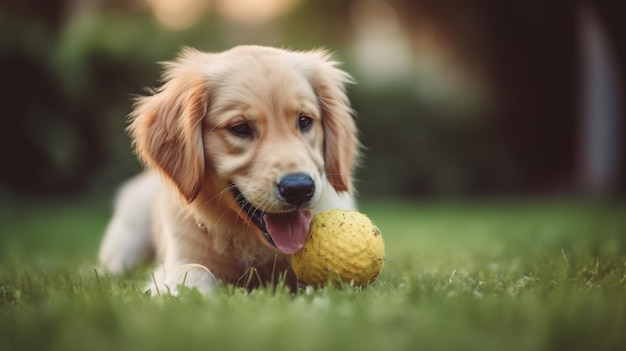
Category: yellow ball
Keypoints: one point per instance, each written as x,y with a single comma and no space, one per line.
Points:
342,246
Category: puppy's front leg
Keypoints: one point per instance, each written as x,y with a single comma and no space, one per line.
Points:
181,246
191,275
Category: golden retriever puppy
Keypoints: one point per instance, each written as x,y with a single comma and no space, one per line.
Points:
242,148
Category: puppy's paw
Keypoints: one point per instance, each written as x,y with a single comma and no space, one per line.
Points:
192,275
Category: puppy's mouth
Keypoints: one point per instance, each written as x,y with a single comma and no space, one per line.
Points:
286,231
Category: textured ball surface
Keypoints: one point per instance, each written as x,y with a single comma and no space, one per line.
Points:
342,246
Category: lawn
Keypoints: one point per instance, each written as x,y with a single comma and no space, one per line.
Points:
538,274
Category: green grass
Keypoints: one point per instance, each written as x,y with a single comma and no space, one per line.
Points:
460,275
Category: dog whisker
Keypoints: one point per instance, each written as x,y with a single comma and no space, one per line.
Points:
228,188
218,195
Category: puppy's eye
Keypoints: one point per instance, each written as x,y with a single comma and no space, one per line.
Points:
243,130
305,123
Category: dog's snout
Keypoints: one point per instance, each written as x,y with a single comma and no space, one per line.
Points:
296,188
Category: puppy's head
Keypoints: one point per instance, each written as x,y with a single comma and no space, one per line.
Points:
255,132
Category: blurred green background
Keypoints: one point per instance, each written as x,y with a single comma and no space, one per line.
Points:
496,122
454,98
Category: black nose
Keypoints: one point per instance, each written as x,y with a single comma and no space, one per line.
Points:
296,188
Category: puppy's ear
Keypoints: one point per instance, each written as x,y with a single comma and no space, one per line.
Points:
166,127
341,145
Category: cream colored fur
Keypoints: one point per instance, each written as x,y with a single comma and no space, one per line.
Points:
183,208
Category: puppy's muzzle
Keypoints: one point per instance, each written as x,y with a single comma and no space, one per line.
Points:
285,230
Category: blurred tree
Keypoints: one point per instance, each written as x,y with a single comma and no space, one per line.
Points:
535,70
54,129
31,93
530,51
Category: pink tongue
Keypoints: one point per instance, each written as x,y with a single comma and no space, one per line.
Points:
288,230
